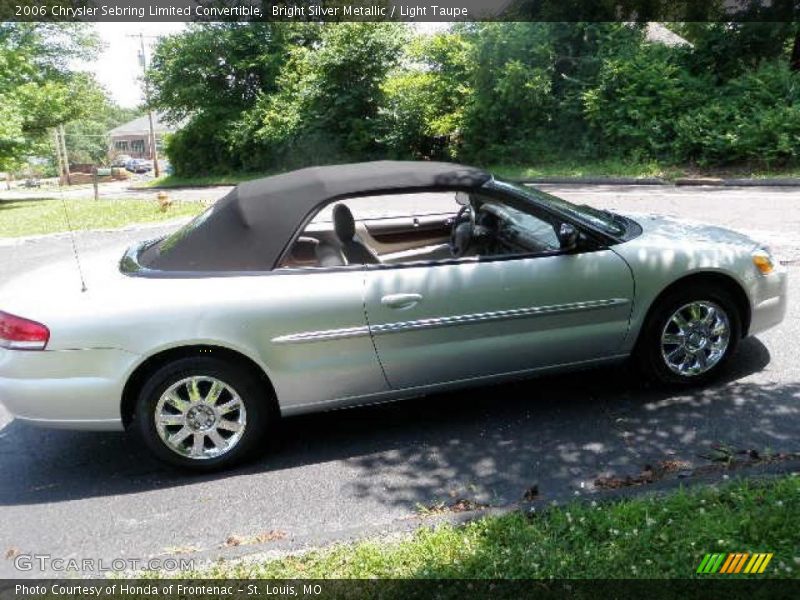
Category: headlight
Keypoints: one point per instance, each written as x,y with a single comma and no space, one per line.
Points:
763,261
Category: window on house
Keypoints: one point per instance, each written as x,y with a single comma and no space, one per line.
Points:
137,146
121,146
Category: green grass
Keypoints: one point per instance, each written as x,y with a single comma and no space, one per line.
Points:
562,168
174,181
646,537
33,217
622,168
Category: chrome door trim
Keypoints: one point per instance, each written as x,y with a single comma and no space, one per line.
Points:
323,335
469,319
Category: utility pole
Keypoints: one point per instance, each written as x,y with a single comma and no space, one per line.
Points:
143,63
66,156
57,146
61,154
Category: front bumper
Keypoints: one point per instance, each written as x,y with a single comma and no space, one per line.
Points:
769,296
73,389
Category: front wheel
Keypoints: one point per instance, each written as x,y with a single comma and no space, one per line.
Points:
690,335
203,413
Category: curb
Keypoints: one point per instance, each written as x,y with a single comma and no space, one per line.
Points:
681,181
399,528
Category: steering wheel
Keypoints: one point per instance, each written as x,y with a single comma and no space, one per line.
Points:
462,231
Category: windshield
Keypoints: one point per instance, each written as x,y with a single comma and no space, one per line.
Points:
600,219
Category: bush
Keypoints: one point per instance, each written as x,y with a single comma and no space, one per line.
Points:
755,117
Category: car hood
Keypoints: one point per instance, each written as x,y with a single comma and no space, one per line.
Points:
673,229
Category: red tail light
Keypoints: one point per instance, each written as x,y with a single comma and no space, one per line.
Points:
17,333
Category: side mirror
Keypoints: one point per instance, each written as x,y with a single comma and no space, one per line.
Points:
567,236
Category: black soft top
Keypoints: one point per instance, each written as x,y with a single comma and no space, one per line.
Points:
250,228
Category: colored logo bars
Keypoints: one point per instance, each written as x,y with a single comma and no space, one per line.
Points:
734,562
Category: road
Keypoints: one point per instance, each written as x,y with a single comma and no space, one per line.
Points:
98,495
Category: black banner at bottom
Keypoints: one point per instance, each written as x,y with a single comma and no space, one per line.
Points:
405,589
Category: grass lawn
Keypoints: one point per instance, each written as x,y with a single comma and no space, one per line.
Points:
620,168
646,537
32,217
564,168
174,181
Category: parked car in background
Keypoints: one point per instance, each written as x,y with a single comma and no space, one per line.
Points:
121,160
354,284
139,165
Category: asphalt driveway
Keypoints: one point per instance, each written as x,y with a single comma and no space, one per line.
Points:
98,495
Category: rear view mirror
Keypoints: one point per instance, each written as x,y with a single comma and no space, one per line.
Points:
567,236
462,198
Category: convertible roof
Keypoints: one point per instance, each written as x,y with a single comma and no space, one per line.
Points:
250,227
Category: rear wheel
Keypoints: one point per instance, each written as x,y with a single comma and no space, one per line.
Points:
690,335
204,413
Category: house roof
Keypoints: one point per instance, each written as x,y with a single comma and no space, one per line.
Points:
250,228
141,126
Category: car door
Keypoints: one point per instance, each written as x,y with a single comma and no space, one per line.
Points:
458,320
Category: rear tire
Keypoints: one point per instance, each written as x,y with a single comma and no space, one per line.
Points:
204,414
689,336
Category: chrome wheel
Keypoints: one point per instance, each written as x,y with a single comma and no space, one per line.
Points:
200,417
695,338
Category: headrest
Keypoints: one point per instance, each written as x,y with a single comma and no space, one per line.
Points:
343,223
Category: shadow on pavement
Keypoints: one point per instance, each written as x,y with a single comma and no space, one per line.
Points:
489,444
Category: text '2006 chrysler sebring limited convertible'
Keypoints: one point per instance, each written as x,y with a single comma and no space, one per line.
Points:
344,285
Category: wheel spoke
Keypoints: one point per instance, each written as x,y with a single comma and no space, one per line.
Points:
198,444
193,388
702,360
214,392
179,436
695,312
216,439
675,353
178,402
711,315
673,338
168,419
229,425
229,406
680,321
719,329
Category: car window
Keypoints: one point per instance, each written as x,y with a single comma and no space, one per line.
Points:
395,229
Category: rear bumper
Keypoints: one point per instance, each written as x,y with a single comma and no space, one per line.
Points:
770,299
74,389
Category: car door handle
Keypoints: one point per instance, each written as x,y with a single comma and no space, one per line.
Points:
401,301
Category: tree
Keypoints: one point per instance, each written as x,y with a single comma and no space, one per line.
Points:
330,95
38,88
208,76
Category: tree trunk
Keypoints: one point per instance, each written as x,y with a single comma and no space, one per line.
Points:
794,61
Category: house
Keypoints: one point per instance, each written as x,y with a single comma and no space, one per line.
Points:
133,138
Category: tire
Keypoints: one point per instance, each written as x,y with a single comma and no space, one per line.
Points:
231,428
671,354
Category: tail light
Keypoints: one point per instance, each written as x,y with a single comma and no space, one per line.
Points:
17,333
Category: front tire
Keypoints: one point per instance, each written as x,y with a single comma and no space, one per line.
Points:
203,413
690,335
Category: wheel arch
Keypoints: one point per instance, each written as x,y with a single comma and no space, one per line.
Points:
146,368
720,279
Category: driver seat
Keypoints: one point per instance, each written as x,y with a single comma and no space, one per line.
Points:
355,251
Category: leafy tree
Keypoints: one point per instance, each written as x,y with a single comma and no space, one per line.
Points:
330,95
425,99
38,88
208,76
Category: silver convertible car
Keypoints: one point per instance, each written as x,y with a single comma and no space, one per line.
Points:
337,286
